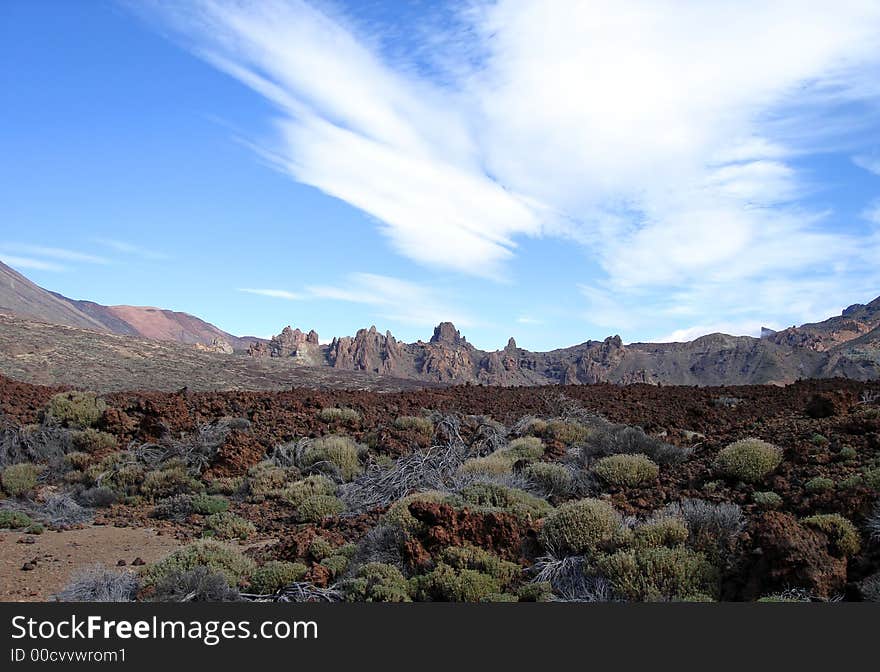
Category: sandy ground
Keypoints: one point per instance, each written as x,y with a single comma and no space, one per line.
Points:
58,554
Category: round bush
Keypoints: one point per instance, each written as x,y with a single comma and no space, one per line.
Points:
377,582
767,500
338,451
276,574
205,553
749,460
819,484
626,470
76,409
580,527
17,479
226,525
313,509
841,532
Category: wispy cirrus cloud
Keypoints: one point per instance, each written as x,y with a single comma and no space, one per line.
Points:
30,263
870,162
662,137
394,299
127,248
274,293
62,254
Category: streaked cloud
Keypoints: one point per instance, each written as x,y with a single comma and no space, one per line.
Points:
394,299
870,162
56,253
274,293
664,138
130,249
30,263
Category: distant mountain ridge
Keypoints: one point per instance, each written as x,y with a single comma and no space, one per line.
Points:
20,296
846,345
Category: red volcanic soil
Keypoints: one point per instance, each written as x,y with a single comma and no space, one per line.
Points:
811,421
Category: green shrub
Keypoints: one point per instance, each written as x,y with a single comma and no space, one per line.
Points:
76,409
819,484
749,460
338,451
819,440
662,531
535,427
415,424
510,500
35,528
851,482
117,472
176,507
447,584
93,441
169,481
580,527
226,525
399,516
346,416
659,573
337,564
320,548
205,553
226,485
268,480
553,478
275,575
767,500
565,432
209,504
376,582
847,454
872,478
480,560
14,520
18,479
78,460
624,470
298,492
524,448
496,464
317,507
541,591
841,532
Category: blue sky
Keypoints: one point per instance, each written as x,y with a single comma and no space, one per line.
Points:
553,171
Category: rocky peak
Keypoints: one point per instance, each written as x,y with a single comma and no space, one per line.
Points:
286,344
445,333
511,344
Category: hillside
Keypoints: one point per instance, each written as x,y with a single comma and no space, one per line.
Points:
20,296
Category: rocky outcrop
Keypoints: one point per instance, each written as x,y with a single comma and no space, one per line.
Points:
217,345
845,346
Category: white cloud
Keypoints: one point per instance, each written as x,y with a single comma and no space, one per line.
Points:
525,319
394,299
30,263
871,163
129,248
660,136
57,253
274,293
732,328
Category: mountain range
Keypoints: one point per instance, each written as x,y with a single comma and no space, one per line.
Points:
20,296
847,345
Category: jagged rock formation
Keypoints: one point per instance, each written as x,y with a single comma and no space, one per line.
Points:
303,348
847,345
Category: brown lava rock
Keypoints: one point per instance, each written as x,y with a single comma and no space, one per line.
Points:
785,554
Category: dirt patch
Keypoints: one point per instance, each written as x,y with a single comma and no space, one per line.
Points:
58,554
